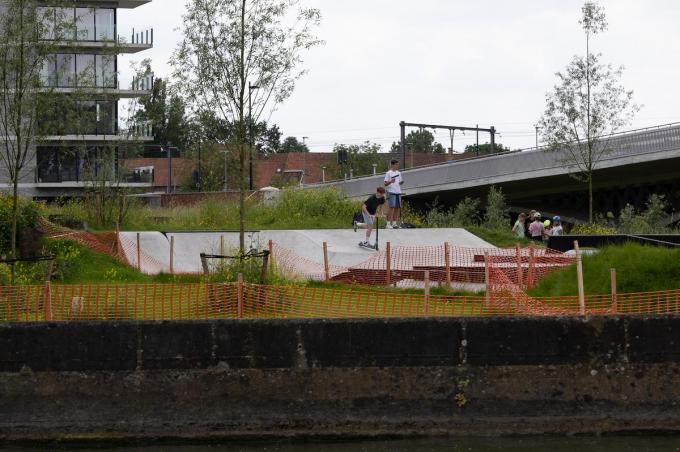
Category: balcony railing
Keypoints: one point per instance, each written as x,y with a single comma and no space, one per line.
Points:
142,37
143,82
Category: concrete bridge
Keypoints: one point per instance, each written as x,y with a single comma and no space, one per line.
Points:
637,164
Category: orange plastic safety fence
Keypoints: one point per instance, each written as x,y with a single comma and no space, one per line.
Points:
249,301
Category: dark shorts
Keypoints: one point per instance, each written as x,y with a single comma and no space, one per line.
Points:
394,200
538,238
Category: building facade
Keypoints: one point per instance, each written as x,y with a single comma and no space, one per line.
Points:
83,78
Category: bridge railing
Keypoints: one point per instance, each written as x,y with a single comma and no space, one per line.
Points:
514,164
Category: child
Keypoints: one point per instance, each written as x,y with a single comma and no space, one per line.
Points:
369,209
518,228
393,183
536,228
557,226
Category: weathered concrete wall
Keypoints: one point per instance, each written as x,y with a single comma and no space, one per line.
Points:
314,377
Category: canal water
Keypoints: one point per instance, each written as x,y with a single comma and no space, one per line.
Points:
521,444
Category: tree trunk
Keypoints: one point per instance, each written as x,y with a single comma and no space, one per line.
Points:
241,138
590,197
15,212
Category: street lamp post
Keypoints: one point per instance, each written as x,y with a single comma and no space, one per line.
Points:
250,134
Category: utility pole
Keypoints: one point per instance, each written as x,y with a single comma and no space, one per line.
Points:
536,137
169,151
477,131
402,144
492,131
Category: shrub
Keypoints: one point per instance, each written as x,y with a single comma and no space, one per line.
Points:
497,215
592,229
27,218
466,212
648,222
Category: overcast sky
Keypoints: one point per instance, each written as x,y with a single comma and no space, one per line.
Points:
456,62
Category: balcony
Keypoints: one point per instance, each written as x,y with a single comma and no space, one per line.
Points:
140,86
72,167
140,132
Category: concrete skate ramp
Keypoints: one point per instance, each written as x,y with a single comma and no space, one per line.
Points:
343,249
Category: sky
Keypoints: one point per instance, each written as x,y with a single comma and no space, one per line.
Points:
450,62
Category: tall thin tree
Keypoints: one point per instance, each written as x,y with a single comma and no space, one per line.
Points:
587,105
228,47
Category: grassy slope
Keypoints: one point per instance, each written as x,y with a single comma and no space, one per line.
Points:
638,269
501,239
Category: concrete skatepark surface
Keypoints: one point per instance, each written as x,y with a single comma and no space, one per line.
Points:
343,249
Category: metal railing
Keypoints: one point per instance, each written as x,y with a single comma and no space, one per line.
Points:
142,37
521,163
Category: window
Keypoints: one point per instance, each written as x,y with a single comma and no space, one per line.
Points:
48,73
85,70
105,24
64,24
85,24
46,23
66,70
106,117
88,117
106,71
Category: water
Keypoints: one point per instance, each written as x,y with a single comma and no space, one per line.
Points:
523,444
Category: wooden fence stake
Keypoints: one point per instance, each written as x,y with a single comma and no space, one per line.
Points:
427,292
579,277
240,295
447,264
271,256
221,245
326,272
172,254
49,315
612,274
139,254
388,262
204,263
530,271
487,296
520,277
118,239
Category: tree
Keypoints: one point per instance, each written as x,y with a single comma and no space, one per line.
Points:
166,111
485,149
229,45
587,104
24,95
421,141
360,158
291,144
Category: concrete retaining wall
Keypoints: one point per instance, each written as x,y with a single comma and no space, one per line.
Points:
314,377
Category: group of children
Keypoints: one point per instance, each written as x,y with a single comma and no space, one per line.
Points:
369,209
537,230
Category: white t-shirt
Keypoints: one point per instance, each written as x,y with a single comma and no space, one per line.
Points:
394,187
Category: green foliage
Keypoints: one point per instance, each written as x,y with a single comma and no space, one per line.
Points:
360,158
291,144
167,112
421,141
638,269
650,221
485,149
28,213
592,229
465,214
497,215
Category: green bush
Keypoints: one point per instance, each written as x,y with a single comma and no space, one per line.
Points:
27,218
497,215
592,229
648,222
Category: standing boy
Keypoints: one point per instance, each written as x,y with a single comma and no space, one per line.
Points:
536,228
369,210
393,183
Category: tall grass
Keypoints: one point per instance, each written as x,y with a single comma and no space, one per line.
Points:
638,268
296,209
